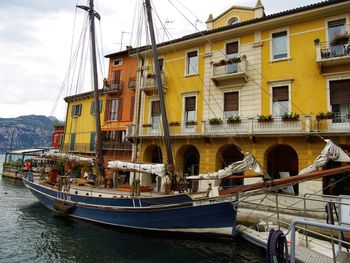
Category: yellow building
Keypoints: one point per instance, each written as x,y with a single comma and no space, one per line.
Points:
251,83
80,126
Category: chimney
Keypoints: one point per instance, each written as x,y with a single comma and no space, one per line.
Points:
259,9
209,22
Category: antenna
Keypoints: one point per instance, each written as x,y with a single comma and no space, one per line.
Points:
121,40
166,22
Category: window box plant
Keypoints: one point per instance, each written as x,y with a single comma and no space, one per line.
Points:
146,125
223,62
265,118
341,39
190,123
215,121
327,115
233,119
290,116
174,123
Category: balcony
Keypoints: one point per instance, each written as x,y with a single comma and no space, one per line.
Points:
176,129
304,126
113,86
118,146
328,55
149,85
227,72
132,83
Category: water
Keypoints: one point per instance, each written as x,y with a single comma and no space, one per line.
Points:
31,233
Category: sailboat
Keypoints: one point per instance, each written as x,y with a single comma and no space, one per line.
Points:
206,213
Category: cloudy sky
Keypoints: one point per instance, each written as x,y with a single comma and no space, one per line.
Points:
36,37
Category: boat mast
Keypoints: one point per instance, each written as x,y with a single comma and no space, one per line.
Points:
99,156
160,87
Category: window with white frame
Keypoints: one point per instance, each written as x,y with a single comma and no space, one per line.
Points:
190,109
192,63
113,109
279,45
155,114
280,100
230,104
118,62
340,99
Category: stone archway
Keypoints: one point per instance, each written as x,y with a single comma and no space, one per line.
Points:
187,163
152,154
281,160
226,155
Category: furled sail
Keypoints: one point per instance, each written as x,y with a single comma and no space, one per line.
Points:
68,157
330,152
249,163
157,169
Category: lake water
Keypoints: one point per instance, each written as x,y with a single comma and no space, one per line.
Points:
31,233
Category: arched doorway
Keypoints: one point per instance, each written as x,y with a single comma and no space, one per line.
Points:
225,156
187,162
337,184
282,161
153,154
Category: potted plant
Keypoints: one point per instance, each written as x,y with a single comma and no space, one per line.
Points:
327,115
174,123
317,41
191,123
233,60
340,39
265,118
215,121
290,116
233,119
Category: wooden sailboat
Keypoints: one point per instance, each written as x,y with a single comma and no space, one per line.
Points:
173,212
177,212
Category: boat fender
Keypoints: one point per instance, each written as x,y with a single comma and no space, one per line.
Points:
277,247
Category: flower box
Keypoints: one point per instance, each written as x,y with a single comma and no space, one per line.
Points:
191,123
215,121
324,116
174,123
340,39
146,125
290,117
233,121
265,118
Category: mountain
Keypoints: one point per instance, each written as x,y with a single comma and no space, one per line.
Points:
28,132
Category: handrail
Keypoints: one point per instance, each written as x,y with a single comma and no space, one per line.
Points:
304,222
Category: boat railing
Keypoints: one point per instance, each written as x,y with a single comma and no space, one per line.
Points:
293,228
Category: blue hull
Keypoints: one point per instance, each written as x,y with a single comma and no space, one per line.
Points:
178,213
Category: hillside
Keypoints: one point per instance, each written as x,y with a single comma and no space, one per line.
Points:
29,131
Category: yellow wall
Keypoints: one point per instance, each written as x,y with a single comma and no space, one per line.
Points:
178,84
243,15
309,95
84,124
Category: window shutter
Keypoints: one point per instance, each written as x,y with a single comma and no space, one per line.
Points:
280,93
107,112
192,54
336,23
132,105
120,108
279,34
232,48
100,102
340,92
79,109
190,103
155,108
73,108
92,107
231,101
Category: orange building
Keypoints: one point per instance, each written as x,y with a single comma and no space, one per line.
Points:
120,91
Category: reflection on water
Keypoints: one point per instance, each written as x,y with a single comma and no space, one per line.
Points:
31,233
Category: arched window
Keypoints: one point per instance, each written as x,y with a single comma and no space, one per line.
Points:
233,20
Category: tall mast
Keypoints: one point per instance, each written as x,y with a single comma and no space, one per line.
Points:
99,156
159,86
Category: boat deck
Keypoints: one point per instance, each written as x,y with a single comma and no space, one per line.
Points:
318,251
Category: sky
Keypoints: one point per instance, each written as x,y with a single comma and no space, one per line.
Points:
36,37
